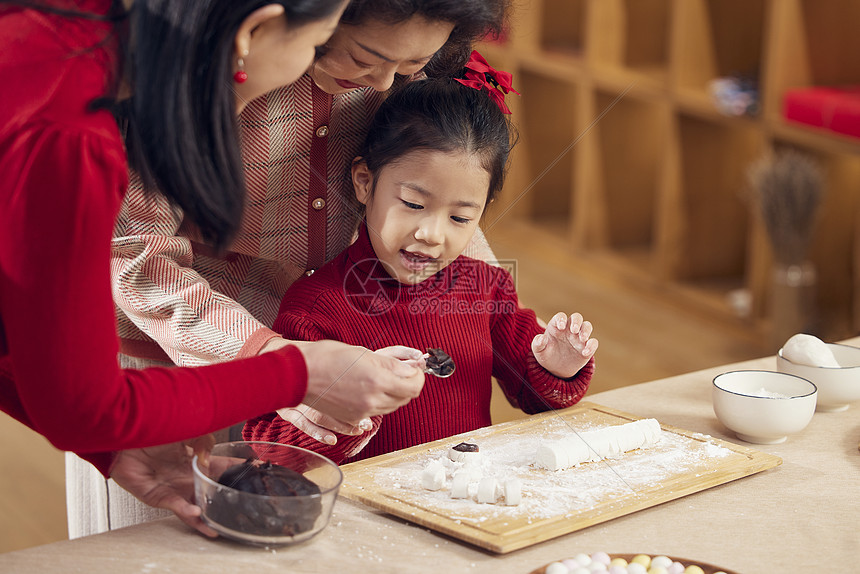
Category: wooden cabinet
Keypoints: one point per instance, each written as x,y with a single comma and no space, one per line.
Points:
624,157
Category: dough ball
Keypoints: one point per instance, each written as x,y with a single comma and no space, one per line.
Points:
806,349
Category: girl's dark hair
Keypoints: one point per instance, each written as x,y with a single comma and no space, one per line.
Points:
472,19
440,114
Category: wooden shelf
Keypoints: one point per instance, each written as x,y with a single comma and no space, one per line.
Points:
548,131
626,169
562,26
624,153
717,38
810,43
560,67
815,138
714,158
830,34
631,35
642,81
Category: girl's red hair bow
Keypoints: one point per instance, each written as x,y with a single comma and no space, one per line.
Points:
481,76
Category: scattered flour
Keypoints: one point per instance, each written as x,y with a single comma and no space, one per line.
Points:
545,493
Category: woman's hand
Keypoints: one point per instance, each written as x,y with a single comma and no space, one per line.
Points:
161,476
322,427
350,383
407,355
565,347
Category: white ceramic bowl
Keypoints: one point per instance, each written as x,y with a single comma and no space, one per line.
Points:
298,510
837,386
763,407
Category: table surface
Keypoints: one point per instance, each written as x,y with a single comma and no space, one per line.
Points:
800,515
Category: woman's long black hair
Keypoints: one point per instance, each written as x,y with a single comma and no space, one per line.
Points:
182,134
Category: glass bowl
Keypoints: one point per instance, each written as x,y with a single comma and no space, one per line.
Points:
301,487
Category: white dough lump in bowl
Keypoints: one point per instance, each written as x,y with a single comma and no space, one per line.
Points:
832,367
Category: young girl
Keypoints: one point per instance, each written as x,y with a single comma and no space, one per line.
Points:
434,158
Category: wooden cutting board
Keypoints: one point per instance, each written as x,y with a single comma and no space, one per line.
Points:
553,503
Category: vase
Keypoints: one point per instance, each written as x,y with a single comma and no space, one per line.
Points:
792,301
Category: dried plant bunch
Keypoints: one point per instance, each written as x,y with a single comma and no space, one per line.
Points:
787,187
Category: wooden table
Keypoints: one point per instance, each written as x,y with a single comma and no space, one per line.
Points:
801,515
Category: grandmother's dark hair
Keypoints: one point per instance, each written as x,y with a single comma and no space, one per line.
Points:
440,114
182,134
472,19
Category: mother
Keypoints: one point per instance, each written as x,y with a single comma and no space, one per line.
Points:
182,303
64,170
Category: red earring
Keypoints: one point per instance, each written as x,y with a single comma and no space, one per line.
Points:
240,76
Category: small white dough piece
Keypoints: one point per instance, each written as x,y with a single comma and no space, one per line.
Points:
590,446
806,349
464,457
488,490
513,491
473,468
556,568
460,484
433,477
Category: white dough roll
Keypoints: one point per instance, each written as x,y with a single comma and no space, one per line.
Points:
590,446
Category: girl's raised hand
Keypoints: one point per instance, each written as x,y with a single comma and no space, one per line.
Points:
566,345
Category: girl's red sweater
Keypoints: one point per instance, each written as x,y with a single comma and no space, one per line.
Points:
469,309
